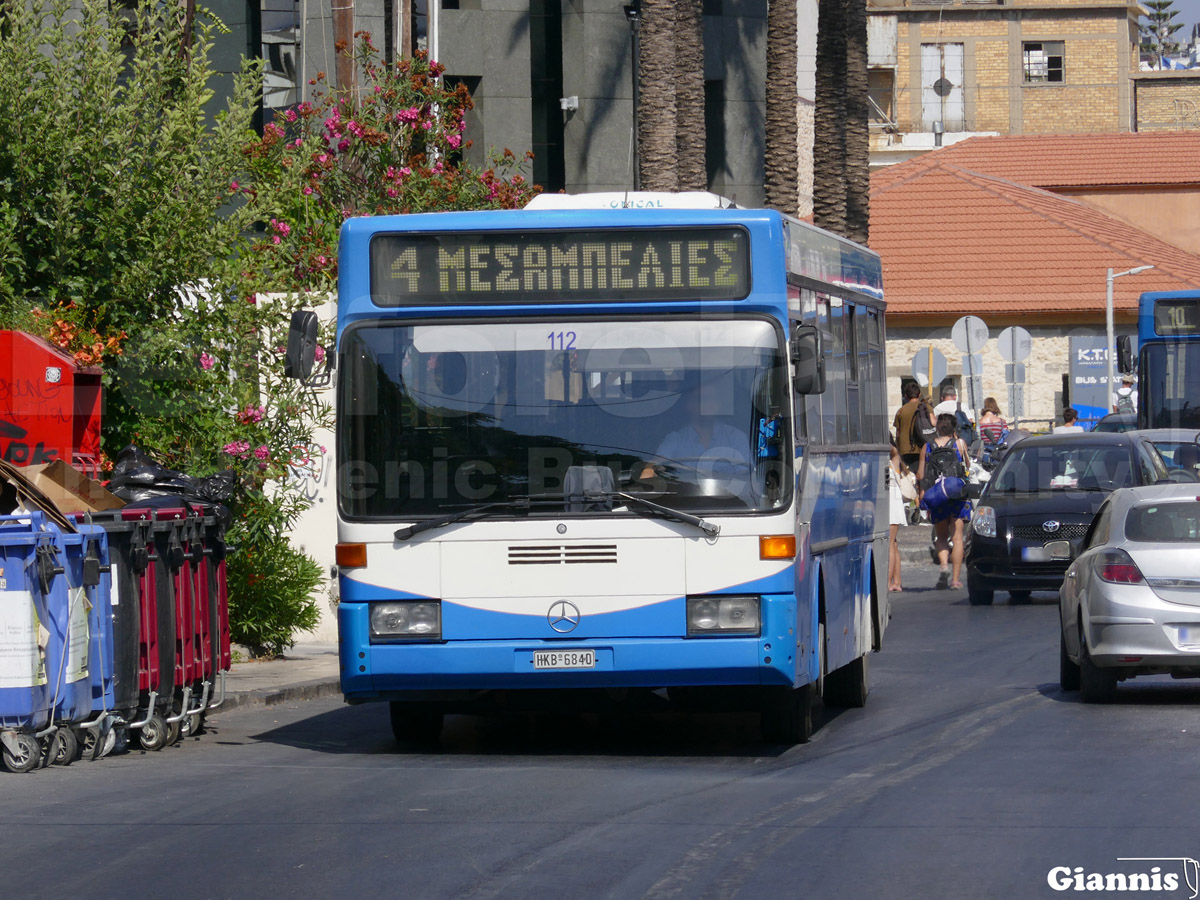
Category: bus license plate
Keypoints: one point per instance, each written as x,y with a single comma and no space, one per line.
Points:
564,659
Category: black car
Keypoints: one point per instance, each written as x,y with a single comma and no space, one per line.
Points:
1035,510
1118,421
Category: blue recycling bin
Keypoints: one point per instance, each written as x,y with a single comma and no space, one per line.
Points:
28,559
88,576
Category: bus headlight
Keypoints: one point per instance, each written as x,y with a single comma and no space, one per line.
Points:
406,620
984,521
722,614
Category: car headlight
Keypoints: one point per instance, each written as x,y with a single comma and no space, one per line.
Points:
983,520
720,614
406,620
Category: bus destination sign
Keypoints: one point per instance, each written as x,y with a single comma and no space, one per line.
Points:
596,265
1177,316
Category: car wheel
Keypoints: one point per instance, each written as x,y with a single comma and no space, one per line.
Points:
1068,672
978,596
1018,596
1096,685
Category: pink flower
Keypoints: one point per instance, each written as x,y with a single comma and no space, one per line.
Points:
405,171
299,141
290,115
393,193
307,190
275,239
354,128
319,351
237,448
343,145
323,158
262,452
251,415
426,125
207,361
233,185
454,140
409,115
322,261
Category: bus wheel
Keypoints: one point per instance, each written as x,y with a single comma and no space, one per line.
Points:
414,723
787,715
849,685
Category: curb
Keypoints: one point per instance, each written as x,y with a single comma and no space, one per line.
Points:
305,690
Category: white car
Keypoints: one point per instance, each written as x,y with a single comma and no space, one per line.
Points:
1130,601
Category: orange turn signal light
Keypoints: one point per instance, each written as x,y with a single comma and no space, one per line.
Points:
777,546
351,556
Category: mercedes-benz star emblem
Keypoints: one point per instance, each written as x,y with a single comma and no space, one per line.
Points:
1051,526
563,616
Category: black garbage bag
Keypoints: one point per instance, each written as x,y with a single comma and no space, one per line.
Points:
138,479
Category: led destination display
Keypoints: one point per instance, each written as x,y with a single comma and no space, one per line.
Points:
560,266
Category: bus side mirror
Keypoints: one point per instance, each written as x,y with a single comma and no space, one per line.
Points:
808,362
301,345
1125,355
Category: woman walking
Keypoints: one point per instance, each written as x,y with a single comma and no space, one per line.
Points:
991,424
944,462
898,515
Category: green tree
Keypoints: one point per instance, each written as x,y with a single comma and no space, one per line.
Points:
1159,28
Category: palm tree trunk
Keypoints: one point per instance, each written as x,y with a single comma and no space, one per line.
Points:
782,161
858,143
829,141
656,107
689,95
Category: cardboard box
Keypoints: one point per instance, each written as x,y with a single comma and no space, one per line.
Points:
70,490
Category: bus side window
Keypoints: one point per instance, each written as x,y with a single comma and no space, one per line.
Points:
799,409
835,420
854,393
870,346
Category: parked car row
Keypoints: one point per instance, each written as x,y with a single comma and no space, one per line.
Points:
1110,520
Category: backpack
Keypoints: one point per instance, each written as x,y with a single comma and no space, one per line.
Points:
1125,400
944,461
924,429
965,430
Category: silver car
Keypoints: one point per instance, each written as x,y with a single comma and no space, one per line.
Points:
1130,602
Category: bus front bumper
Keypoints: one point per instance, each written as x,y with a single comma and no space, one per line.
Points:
395,671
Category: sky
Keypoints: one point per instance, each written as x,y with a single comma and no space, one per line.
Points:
1189,15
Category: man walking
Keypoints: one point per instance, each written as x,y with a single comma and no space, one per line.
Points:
949,402
908,441
1070,422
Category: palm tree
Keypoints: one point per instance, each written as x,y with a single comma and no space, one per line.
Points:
656,115
841,147
781,132
689,95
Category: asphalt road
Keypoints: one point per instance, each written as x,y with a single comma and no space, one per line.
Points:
968,775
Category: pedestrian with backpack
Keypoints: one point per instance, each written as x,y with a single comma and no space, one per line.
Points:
1126,396
913,424
942,479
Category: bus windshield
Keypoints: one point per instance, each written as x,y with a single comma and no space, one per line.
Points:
434,418
1170,383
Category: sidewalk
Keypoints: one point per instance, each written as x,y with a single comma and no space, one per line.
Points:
306,672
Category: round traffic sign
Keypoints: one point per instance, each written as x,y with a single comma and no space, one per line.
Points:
969,334
1015,344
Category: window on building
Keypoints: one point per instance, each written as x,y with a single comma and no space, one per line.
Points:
881,88
1043,61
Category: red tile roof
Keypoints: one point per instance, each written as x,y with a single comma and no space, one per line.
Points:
954,241
1072,160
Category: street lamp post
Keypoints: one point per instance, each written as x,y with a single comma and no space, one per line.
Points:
1108,320
633,12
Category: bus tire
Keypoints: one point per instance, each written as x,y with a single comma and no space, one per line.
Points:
849,685
787,715
415,723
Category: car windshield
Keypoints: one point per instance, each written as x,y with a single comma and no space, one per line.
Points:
1179,454
434,418
1029,470
1176,522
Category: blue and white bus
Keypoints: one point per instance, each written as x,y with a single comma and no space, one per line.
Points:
1168,359
616,447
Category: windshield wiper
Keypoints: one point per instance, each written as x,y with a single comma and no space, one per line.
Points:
665,511
474,512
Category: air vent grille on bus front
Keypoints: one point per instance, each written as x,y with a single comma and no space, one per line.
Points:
573,554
